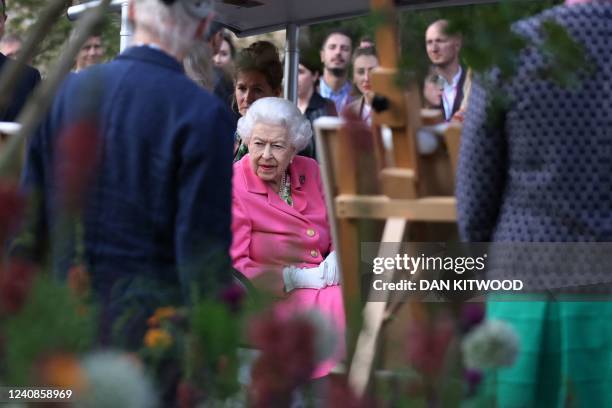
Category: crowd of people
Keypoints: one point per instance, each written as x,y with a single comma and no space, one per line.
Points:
203,172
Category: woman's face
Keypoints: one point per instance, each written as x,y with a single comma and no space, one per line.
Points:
251,86
306,80
224,56
362,68
270,152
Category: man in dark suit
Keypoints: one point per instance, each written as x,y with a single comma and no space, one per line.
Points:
540,172
29,79
443,50
153,224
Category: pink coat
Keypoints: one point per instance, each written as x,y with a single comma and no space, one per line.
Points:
268,235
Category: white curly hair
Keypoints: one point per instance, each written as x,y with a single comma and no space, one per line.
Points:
277,111
174,25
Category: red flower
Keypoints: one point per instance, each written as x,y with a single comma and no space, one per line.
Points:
427,343
286,361
77,160
233,296
12,206
15,283
360,132
341,395
187,395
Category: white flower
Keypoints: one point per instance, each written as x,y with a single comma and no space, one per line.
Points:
113,380
492,344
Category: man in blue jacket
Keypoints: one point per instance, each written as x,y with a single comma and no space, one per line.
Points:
146,210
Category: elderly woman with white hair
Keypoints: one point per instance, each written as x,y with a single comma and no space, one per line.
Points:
280,226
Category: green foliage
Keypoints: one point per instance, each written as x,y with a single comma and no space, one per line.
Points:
51,321
566,58
216,336
22,14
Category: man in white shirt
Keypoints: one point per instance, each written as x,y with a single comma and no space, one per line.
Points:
336,56
443,51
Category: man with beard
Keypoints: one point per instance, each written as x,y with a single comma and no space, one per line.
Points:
335,56
443,50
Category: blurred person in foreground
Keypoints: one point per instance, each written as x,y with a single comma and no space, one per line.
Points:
29,79
281,235
131,175
258,74
539,172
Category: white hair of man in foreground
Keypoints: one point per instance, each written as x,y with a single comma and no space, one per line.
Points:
174,26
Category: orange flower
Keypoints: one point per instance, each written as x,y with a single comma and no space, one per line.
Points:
62,371
157,338
161,313
78,280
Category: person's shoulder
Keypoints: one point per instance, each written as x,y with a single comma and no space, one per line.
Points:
238,168
32,73
317,101
355,105
531,26
303,163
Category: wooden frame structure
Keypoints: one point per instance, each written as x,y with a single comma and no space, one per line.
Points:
403,186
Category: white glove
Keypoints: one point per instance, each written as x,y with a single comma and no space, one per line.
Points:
300,278
331,272
427,142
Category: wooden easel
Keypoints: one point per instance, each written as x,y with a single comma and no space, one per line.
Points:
402,200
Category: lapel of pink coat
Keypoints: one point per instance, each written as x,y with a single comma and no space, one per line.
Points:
297,171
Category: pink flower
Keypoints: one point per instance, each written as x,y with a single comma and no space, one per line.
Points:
187,395
77,160
473,378
287,357
12,205
472,314
341,395
427,343
360,131
15,283
233,296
